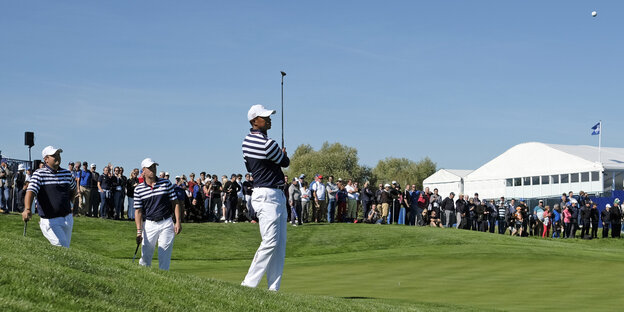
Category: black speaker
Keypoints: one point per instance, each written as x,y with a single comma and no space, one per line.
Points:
29,139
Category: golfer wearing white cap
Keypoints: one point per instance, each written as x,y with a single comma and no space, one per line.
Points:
264,159
153,200
54,187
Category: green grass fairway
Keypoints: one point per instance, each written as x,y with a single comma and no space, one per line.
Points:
363,267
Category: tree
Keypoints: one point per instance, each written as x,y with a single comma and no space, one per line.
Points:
335,159
403,171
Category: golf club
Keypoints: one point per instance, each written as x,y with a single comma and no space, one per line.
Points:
283,74
25,225
135,251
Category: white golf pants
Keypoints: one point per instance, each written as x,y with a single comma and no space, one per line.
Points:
58,230
163,233
270,207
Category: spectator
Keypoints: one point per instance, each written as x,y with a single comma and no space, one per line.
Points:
616,219
131,184
518,220
294,201
95,194
556,221
586,220
341,201
575,213
6,176
231,198
105,185
448,205
118,193
538,217
434,219
306,196
605,215
332,190
567,225
20,187
386,200
247,190
351,202
546,222
320,199
367,197
501,216
594,218
215,202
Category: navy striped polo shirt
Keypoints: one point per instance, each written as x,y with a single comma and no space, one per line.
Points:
53,190
155,202
264,159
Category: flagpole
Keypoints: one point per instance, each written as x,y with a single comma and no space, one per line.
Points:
600,142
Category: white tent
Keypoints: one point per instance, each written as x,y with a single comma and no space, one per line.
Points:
533,169
447,181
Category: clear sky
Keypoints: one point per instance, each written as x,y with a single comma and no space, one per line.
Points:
457,81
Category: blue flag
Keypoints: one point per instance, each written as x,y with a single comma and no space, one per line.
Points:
596,129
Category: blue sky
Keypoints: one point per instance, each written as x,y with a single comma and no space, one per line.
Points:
457,81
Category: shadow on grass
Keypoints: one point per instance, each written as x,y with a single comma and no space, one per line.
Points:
357,297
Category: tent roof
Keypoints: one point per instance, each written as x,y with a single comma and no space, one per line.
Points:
446,175
534,158
611,157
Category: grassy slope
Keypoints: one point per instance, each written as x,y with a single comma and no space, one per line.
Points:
401,267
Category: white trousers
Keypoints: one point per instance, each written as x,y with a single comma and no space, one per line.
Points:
270,207
163,233
58,230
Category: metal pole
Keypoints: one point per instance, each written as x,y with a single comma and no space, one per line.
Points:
600,143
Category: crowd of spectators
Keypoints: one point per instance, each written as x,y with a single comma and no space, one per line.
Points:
206,198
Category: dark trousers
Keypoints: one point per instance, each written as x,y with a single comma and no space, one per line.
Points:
94,203
396,207
215,207
572,230
483,225
296,213
585,230
105,201
594,230
413,215
616,228
502,226
366,206
230,207
605,229
492,224
118,199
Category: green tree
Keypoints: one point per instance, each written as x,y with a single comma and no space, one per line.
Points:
335,159
403,171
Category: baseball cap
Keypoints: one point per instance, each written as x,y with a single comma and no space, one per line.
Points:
258,111
394,182
616,201
166,173
21,167
50,150
177,177
608,206
148,162
302,176
319,176
387,185
92,165
84,163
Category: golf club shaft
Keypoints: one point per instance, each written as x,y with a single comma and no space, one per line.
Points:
282,110
25,225
135,252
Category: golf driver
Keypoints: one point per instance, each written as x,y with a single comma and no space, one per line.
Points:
25,225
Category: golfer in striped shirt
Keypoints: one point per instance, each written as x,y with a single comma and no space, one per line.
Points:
264,159
153,201
54,187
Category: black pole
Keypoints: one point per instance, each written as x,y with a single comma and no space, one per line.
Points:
283,74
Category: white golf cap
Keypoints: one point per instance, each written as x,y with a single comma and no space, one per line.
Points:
387,185
21,167
166,173
49,151
394,182
148,162
177,177
258,111
92,165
